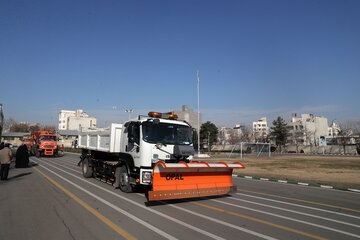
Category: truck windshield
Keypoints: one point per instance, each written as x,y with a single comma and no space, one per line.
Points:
166,133
47,138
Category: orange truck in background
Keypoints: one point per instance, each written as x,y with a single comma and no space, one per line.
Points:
28,141
45,144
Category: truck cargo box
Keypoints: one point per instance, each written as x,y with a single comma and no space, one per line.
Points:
101,139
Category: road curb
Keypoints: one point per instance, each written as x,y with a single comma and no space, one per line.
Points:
298,183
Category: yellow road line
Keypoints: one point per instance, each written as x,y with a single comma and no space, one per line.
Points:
300,200
261,221
104,219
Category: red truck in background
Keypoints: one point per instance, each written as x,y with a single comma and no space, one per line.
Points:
45,144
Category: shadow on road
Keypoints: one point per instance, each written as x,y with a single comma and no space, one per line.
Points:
19,175
177,201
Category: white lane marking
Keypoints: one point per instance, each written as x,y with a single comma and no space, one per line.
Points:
146,208
74,170
69,160
297,212
222,222
289,218
298,205
61,159
126,213
348,191
67,163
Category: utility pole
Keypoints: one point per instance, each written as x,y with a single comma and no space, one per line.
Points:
198,92
209,148
129,111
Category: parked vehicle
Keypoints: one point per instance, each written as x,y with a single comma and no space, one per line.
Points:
154,151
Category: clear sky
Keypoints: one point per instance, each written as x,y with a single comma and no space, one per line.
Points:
256,58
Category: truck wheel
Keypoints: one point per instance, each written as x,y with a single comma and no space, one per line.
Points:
86,169
116,184
37,153
123,179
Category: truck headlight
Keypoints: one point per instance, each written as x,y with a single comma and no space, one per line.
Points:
146,176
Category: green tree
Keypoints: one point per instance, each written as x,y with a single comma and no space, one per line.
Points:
279,132
206,129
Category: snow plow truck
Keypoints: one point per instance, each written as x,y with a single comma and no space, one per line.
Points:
28,141
155,151
45,144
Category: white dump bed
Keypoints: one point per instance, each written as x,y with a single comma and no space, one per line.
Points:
101,139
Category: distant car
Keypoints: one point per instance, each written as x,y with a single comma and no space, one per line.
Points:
13,148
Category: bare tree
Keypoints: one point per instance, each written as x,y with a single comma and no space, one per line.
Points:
19,127
234,138
34,127
353,127
343,138
245,134
48,128
8,123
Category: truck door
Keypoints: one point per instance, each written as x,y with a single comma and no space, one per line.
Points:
133,146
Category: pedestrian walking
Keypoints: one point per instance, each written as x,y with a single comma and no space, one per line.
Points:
22,157
5,159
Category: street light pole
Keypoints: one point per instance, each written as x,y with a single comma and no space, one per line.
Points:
198,92
129,112
209,148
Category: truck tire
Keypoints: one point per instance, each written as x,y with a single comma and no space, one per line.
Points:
116,184
123,179
86,169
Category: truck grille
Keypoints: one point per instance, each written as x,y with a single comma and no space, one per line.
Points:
49,146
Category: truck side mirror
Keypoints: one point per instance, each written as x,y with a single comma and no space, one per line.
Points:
131,133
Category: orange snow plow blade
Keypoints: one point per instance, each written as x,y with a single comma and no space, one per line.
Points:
189,180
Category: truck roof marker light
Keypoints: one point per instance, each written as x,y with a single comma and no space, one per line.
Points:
168,115
173,116
154,114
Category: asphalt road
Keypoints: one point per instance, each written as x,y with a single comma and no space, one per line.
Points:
51,200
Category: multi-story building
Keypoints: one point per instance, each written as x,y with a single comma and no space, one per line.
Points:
307,129
188,115
260,127
232,135
74,120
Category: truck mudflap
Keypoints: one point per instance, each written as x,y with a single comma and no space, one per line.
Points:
189,180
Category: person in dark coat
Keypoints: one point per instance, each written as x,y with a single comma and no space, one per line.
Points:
22,157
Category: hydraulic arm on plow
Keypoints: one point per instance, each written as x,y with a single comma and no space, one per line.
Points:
153,151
